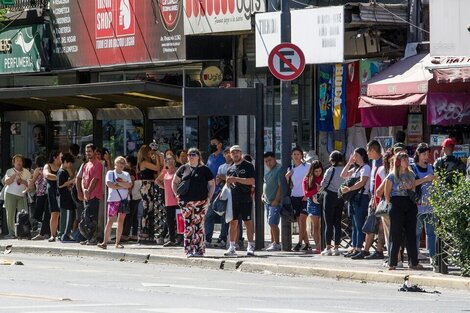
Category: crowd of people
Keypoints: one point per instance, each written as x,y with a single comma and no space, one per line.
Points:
169,199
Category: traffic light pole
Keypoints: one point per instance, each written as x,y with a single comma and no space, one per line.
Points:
286,122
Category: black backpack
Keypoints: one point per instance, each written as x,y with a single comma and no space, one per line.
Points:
87,226
23,225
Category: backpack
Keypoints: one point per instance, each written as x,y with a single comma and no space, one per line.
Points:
23,226
87,226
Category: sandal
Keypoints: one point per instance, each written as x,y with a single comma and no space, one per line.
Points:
119,246
102,246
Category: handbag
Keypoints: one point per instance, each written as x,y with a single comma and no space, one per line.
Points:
383,208
349,183
183,186
321,195
287,211
414,196
371,226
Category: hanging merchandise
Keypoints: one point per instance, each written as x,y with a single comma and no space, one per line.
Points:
324,108
353,89
331,110
339,97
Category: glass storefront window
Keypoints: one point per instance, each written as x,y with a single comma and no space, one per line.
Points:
169,134
123,137
66,133
28,139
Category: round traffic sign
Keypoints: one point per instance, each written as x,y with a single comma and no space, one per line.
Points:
286,61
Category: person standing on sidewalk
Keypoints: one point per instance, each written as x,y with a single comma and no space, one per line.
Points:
332,205
240,178
195,201
403,212
41,211
16,185
374,152
357,167
164,181
215,160
131,221
91,188
50,173
424,175
311,185
272,194
118,182
295,177
65,180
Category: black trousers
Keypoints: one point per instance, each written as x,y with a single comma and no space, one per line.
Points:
42,214
403,220
131,220
332,213
171,221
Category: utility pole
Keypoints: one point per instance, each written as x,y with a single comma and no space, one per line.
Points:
286,122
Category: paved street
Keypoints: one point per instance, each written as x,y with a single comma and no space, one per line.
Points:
71,284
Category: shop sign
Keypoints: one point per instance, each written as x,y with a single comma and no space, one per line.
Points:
95,33
461,151
436,153
436,140
415,128
448,109
21,49
324,43
215,16
212,76
385,141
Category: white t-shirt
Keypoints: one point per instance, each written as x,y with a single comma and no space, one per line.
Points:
299,172
14,188
112,176
363,172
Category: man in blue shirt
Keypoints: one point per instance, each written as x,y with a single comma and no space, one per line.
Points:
215,160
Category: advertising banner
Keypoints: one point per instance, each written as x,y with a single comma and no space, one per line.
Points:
318,32
215,16
22,49
447,109
415,128
325,103
95,33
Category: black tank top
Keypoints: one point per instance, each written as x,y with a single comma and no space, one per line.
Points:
146,174
52,184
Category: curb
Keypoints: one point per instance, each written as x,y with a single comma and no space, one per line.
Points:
234,264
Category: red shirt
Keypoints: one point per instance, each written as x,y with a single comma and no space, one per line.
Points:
93,169
313,191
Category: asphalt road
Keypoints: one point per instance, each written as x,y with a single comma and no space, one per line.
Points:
74,285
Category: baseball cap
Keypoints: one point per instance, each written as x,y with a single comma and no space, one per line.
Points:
399,146
449,142
235,148
227,149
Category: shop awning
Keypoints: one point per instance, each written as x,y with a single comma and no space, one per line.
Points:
140,94
390,92
408,76
450,69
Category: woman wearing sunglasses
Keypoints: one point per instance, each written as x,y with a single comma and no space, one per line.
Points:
195,201
403,212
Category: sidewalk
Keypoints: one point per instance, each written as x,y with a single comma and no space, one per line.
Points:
282,262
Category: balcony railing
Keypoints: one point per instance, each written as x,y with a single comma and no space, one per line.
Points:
20,5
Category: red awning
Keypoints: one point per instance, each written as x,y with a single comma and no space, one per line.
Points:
408,76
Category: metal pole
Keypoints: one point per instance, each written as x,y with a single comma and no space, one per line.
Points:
259,150
286,122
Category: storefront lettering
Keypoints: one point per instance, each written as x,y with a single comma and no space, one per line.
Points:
222,7
450,111
104,20
18,62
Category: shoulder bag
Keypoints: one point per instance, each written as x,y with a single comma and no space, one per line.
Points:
383,208
349,183
183,186
321,194
124,203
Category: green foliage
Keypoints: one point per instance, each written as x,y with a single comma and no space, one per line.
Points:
450,199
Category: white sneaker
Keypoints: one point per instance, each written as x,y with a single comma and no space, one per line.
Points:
250,249
327,252
274,247
336,252
230,252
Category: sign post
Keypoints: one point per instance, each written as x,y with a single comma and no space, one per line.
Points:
286,122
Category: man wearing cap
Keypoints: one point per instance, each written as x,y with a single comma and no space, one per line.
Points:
448,163
240,178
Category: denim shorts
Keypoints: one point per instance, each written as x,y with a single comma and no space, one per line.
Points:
273,214
313,209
